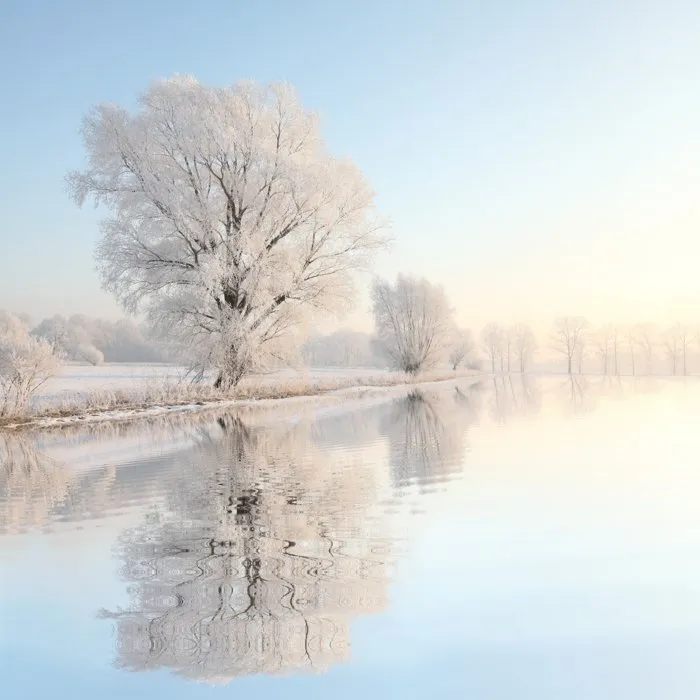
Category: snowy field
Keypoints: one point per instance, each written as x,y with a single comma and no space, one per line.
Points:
78,380
75,380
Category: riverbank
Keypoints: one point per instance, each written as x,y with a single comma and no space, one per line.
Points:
159,398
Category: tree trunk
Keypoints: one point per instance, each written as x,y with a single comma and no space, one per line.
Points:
569,364
234,368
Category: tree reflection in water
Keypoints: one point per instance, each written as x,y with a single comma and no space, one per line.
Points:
575,394
428,434
31,484
257,563
262,541
514,396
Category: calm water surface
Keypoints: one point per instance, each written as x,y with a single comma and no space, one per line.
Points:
506,539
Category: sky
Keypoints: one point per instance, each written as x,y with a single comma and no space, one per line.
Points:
536,158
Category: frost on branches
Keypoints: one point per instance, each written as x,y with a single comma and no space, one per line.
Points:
414,323
26,363
230,223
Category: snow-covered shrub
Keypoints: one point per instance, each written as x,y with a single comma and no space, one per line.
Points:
26,362
89,353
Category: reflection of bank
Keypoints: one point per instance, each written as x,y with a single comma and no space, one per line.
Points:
39,489
262,539
31,485
257,564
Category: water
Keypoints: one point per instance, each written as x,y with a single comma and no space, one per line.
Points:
502,539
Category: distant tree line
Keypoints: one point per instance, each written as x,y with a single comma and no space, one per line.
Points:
633,349
30,356
83,339
510,348
342,348
414,331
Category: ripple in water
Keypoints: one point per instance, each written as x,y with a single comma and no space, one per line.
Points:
256,545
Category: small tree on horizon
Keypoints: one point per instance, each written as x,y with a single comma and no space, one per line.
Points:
463,348
492,342
525,345
413,322
567,336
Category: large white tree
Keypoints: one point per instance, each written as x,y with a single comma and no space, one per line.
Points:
413,322
229,220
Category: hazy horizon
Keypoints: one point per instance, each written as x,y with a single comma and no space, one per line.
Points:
536,160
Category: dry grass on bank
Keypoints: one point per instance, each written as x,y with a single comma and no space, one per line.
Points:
169,394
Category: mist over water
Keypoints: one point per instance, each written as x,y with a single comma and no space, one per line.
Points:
512,537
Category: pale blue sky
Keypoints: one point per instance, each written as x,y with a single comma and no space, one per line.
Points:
535,157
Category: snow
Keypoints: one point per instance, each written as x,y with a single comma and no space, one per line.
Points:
75,380
81,380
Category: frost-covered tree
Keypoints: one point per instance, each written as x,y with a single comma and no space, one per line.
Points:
631,338
685,342
462,348
413,322
647,339
602,341
581,353
26,363
567,337
71,337
677,341
614,333
492,336
525,345
229,222
95,340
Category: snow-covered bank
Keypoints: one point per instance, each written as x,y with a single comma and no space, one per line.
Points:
77,382
177,397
